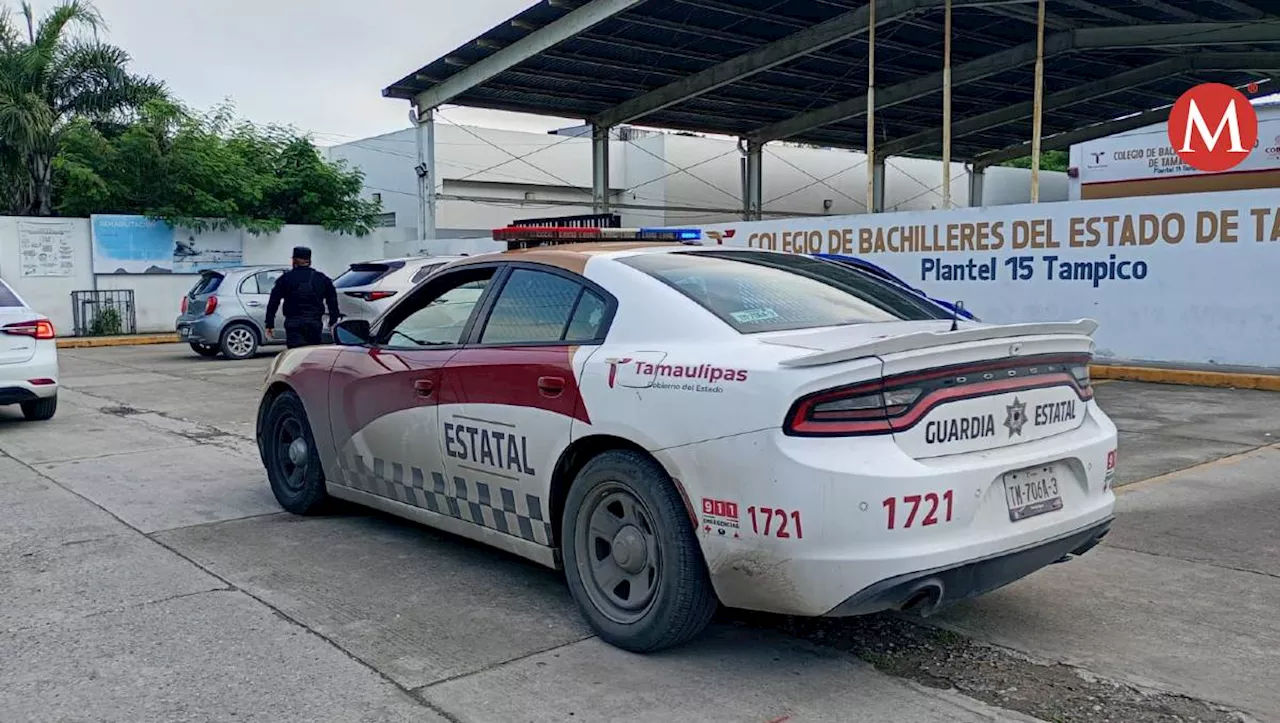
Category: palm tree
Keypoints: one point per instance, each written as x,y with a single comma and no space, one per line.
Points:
50,76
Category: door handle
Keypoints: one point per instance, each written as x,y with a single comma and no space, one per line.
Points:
424,387
551,386
253,303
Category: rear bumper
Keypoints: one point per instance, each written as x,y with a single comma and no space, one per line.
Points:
932,590
200,330
18,393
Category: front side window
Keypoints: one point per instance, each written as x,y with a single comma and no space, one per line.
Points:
760,292
442,321
533,307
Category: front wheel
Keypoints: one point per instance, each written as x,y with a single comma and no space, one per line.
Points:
289,451
631,556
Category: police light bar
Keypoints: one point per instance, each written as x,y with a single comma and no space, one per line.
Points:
528,236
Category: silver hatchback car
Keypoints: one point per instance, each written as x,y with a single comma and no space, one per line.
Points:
225,312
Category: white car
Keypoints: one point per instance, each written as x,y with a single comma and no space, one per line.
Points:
683,426
28,358
366,289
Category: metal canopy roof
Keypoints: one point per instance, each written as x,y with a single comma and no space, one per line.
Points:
796,69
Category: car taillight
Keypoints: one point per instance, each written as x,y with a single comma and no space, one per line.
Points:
897,402
859,409
210,305
371,295
184,304
39,329
1080,372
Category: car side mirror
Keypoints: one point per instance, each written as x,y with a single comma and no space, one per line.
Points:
353,332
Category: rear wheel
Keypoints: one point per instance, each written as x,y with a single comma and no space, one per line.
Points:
631,556
39,410
204,349
239,341
289,450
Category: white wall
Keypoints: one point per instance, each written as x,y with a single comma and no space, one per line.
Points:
1145,154
157,296
1185,279
50,294
480,162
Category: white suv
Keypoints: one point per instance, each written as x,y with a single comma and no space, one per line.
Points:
28,358
366,289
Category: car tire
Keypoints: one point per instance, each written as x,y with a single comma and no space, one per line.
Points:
239,341
40,410
289,453
208,350
668,598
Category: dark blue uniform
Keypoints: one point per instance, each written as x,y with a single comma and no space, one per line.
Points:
305,293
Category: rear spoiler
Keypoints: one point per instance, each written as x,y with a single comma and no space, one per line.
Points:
927,339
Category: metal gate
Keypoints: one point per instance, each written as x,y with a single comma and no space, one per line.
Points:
104,313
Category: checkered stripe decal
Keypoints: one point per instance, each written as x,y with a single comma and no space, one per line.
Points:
482,503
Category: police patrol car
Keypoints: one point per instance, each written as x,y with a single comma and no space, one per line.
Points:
678,426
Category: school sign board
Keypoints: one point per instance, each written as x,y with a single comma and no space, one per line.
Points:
1191,278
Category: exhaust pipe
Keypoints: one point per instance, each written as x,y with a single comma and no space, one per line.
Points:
924,600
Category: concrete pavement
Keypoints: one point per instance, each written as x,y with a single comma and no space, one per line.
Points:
149,576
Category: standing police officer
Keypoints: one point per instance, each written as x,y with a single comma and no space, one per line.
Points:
305,293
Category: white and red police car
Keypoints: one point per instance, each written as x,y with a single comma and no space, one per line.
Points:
678,425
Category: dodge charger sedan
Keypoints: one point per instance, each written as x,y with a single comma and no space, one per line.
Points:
678,427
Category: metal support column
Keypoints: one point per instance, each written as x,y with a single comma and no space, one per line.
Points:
946,109
753,204
1037,114
426,170
977,178
877,185
600,169
875,178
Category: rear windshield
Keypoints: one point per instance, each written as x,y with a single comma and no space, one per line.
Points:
207,284
364,274
7,297
758,291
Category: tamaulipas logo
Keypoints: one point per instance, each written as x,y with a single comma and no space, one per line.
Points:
1213,127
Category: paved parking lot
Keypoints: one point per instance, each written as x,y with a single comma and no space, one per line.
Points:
148,575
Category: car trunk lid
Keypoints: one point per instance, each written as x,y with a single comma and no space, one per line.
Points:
17,348
947,392
197,300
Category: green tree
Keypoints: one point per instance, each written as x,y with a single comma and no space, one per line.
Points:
1049,161
207,170
52,76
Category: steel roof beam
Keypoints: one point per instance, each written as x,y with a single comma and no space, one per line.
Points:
574,23
1087,92
1165,35
1079,135
768,56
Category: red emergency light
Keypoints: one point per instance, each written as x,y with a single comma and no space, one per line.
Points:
533,236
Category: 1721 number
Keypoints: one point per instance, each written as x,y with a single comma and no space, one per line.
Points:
769,515
931,502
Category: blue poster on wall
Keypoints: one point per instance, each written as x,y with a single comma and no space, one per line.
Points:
138,245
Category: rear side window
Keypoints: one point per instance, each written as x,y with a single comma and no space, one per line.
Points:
207,284
759,292
7,297
364,274
260,283
424,272
533,307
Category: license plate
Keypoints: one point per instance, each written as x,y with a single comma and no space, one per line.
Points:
184,332
1033,491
